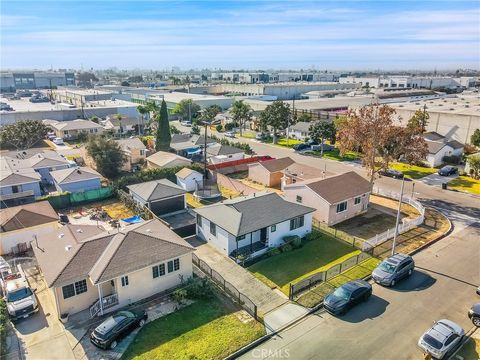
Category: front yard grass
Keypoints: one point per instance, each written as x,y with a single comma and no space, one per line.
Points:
317,254
413,171
207,329
335,155
465,183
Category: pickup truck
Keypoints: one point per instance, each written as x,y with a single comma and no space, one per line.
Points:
19,297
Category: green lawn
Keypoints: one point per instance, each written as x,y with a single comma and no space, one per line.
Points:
315,255
465,183
207,329
335,155
413,171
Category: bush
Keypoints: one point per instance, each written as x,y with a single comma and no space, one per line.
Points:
286,248
453,159
219,127
297,242
199,288
3,327
273,252
229,126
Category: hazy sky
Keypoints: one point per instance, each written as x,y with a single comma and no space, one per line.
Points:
241,34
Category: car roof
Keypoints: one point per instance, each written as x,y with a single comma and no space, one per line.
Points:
353,285
397,258
442,329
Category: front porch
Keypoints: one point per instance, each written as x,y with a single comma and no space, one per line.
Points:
107,299
252,244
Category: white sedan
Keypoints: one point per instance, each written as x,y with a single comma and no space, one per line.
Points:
441,339
58,141
230,134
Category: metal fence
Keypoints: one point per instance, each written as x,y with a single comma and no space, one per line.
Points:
338,234
226,286
323,276
403,227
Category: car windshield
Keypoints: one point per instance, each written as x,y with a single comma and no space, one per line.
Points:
342,293
19,294
432,341
387,267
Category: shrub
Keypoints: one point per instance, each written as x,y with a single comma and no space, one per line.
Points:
286,248
297,242
199,288
229,126
453,159
273,252
219,127
179,296
3,327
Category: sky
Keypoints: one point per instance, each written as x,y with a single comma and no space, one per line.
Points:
324,35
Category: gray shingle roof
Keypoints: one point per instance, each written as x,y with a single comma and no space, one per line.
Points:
185,172
78,124
74,174
276,164
246,214
28,215
301,126
434,146
162,158
455,144
156,189
219,149
134,143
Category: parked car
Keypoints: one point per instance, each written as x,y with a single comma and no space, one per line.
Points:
441,339
115,327
474,314
346,296
301,147
393,269
186,123
447,170
229,134
259,136
20,299
391,173
58,141
326,147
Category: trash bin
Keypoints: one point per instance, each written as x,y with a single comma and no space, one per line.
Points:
444,186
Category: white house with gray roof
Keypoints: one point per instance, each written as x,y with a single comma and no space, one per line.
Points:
219,153
76,179
253,223
88,268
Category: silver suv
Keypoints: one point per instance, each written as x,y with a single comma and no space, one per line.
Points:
441,339
393,269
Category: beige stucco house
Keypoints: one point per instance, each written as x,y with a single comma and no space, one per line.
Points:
135,152
88,268
72,128
162,159
269,172
335,198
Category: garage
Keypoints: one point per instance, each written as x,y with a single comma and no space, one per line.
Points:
167,206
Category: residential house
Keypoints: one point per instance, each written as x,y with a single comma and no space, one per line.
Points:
335,198
253,223
300,172
123,125
70,130
439,147
160,196
84,265
269,172
188,179
20,225
188,145
218,154
18,187
300,130
135,153
43,162
162,159
76,179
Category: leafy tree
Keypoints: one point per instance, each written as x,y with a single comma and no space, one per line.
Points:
94,119
23,134
174,130
419,121
219,127
186,109
229,126
86,79
209,113
475,138
125,83
320,130
162,141
241,113
474,163
403,143
304,117
195,130
276,115
367,129
106,154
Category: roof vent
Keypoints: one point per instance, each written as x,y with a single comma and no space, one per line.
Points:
79,231
149,230
61,235
78,171
68,247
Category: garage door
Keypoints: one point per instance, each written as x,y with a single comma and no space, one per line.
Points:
167,206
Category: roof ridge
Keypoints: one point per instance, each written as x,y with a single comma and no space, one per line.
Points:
110,244
163,240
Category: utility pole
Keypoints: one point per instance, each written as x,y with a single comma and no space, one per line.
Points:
424,117
205,170
398,217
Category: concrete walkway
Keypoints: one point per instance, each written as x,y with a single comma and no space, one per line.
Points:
265,298
436,180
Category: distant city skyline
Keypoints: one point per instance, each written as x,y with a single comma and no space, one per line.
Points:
369,35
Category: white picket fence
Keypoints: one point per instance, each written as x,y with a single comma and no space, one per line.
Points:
402,227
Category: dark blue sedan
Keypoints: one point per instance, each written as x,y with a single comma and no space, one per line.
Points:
346,296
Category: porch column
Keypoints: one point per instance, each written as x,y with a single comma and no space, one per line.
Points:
100,297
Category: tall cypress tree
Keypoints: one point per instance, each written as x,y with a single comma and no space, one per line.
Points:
163,139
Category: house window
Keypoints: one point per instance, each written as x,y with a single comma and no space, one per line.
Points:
299,199
158,270
16,188
242,237
176,264
296,223
213,229
199,220
273,228
341,207
358,199
76,288
125,280
65,132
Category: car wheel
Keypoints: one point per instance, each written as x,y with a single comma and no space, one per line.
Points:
113,345
141,323
476,321
393,282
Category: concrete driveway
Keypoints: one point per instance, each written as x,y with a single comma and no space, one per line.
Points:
437,180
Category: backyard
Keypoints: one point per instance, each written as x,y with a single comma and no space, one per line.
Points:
413,171
318,253
465,183
207,329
